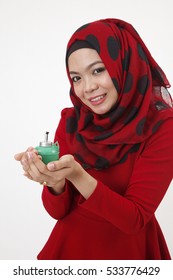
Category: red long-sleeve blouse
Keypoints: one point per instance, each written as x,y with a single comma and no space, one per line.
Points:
117,221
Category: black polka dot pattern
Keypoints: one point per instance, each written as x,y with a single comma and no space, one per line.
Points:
135,116
140,126
117,114
77,109
113,47
101,163
88,120
80,159
141,53
123,159
128,83
80,138
143,84
71,125
126,60
94,42
131,115
132,150
156,126
115,82
112,146
103,136
99,128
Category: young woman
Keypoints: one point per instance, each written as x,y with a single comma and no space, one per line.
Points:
116,152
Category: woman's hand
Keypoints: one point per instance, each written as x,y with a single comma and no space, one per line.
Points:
55,173
36,170
67,167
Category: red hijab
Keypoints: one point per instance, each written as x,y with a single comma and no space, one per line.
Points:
99,141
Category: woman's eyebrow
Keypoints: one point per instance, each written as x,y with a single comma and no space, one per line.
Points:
88,67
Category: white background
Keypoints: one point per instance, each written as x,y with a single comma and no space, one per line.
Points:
34,89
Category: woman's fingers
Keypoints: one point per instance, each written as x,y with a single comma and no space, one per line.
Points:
36,170
26,174
65,161
35,167
20,156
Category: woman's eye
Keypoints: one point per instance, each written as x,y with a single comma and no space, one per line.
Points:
99,70
75,79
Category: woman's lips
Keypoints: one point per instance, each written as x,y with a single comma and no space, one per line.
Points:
97,99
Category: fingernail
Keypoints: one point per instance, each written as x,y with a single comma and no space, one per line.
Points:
51,165
30,155
23,161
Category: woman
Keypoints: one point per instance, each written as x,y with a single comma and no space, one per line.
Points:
116,152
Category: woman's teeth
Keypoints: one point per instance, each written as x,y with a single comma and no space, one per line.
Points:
97,98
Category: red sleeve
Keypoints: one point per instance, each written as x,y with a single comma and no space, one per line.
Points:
150,179
58,205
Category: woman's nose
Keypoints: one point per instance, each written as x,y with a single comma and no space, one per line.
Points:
90,85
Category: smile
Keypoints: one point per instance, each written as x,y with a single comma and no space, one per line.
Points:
97,98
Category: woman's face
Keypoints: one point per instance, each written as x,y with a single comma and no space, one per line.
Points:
92,82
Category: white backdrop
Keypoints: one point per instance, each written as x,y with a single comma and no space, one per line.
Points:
34,88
